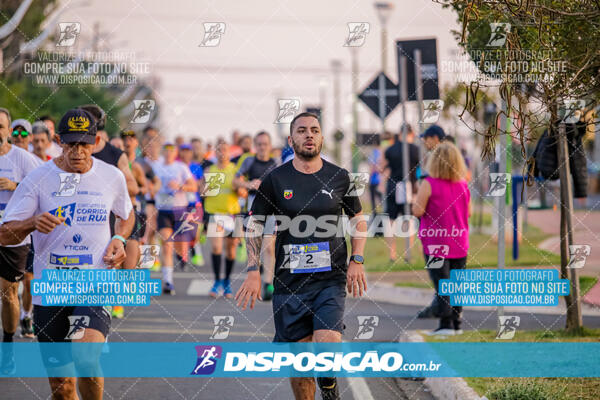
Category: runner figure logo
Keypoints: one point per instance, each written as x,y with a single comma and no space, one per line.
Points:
287,256
288,108
358,183
573,111
578,254
77,325
68,33
187,222
223,325
68,184
498,184
214,180
357,34
288,194
437,255
431,111
142,110
366,326
67,212
508,327
207,359
498,34
149,253
213,31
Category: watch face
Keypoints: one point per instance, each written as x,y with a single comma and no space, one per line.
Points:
358,259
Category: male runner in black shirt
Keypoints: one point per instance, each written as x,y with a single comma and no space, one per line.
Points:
310,269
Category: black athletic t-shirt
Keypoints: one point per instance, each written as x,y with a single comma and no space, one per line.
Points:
109,154
394,157
253,168
288,192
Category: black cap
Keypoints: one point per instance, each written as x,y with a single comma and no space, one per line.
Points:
77,125
434,130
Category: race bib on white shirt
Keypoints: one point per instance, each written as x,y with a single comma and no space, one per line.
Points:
308,258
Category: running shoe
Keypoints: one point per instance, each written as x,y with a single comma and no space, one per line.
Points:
329,388
227,289
27,328
169,289
198,259
214,291
118,312
7,365
267,293
156,266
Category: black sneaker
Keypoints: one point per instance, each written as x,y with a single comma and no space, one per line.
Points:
27,328
329,388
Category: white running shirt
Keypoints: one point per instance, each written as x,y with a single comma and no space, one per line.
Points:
86,200
166,198
15,165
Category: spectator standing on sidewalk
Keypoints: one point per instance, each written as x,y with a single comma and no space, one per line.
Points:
443,205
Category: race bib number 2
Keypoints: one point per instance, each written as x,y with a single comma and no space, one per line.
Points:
306,258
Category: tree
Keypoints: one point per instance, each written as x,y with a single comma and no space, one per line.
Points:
549,55
19,91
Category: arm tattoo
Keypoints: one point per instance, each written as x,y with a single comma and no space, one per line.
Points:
254,238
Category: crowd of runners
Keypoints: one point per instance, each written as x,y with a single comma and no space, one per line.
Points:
72,198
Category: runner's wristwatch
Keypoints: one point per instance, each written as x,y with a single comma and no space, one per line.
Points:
357,259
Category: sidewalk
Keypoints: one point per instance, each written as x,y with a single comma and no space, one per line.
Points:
586,230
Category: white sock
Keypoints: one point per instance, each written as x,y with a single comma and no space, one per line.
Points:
168,274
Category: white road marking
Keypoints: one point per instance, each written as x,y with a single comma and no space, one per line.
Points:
360,389
199,287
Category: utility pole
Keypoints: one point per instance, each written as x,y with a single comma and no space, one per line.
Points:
384,10
354,145
336,66
405,153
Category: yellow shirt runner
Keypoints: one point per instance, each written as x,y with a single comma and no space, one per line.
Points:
226,201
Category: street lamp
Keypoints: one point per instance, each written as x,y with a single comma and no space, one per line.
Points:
384,10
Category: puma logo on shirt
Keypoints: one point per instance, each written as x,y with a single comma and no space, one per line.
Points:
328,193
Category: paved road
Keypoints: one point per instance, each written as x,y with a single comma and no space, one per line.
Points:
187,317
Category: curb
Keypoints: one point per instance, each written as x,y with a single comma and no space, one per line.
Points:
445,388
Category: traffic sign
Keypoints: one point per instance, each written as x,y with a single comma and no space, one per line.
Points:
429,68
381,96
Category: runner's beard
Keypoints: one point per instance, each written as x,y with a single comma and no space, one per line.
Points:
305,154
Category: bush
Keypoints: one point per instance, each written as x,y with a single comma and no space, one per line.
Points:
524,390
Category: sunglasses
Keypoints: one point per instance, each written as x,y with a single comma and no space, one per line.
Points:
125,134
23,133
169,147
